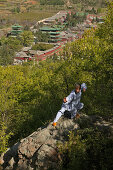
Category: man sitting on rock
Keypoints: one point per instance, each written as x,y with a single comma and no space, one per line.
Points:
72,103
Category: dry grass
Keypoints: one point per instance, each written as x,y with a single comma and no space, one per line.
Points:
32,15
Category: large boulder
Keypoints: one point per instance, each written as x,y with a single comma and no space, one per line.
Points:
39,150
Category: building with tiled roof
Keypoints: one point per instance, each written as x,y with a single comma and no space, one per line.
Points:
59,17
16,29
54,33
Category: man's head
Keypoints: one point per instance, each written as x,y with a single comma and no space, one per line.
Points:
77,88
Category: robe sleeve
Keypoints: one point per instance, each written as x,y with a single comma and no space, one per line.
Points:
83,86
70,97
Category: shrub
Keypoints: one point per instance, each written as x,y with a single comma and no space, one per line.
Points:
89,149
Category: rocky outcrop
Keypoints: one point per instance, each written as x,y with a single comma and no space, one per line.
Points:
39,150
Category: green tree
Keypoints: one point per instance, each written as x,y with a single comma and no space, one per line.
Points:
87,149
12,42
7,50
42,37
98,10
26,28
18,9
4,137
6,55
27,38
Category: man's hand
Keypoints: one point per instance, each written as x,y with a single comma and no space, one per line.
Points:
84,89
64,100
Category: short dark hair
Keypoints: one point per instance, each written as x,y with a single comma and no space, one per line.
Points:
77,85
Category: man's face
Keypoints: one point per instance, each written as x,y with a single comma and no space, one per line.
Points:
77,90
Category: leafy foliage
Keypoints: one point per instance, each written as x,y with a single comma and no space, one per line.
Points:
42,46
4,137
6,55
42,37
74,19
8,46
27,38
88,149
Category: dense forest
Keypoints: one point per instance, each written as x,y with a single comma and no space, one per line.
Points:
30,95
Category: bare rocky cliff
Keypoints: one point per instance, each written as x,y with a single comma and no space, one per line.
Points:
39,150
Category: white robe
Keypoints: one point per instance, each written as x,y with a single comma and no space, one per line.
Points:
72,105
72,101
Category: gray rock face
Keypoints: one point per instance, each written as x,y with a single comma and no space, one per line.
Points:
39,151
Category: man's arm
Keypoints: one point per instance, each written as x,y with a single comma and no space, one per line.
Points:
83,87
69,98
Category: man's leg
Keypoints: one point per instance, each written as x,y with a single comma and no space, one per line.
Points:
59,114
80,106
74,112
